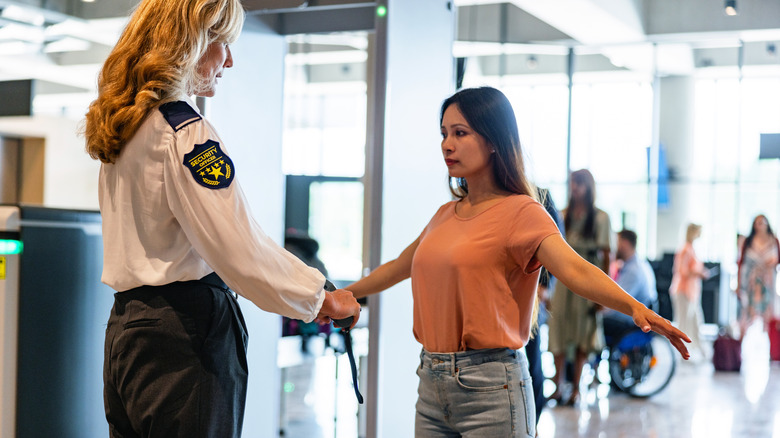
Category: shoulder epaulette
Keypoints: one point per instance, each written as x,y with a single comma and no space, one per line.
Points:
179,114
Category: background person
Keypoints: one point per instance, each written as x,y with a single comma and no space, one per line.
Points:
533,350
757,272
175,223
635,276
574,326
685,290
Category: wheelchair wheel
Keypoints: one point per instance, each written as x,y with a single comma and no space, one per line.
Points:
642,364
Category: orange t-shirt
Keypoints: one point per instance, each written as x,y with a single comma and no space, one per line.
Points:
474,279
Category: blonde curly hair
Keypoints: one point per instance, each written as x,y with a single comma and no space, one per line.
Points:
154,62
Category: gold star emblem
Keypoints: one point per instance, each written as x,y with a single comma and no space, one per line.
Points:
216,171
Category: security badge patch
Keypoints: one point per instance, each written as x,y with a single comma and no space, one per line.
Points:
209,165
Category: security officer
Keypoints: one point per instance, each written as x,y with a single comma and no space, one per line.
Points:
175,224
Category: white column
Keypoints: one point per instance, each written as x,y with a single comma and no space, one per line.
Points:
676,136
419,68
247,113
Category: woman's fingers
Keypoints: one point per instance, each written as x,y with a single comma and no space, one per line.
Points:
678,344
675,336
680,334
664,327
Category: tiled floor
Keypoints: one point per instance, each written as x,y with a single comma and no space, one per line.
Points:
316,386
698,403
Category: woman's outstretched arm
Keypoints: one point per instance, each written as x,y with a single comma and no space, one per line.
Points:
386,275
593,284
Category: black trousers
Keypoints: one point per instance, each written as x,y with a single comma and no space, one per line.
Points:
533,352
175,362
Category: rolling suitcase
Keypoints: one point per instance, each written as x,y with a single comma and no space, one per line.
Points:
773,328
726,353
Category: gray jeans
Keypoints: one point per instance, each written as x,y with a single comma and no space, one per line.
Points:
477,393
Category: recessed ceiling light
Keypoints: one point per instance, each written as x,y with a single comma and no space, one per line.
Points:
731,7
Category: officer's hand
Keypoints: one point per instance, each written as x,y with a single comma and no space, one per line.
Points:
339,304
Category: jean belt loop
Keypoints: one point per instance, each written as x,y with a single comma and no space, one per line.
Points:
453,363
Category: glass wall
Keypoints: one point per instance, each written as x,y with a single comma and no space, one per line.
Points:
611,125
726,184
325,136
336,221
734,185
610,136
536,83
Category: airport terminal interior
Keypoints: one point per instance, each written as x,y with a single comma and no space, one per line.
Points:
331,116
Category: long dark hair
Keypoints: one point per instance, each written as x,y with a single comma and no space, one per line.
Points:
749,238
490,114
584,177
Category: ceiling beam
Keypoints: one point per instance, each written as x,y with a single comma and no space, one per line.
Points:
675,17
321,20
590,21
82,76
276,6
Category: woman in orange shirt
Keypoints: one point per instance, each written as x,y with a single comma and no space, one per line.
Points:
474,272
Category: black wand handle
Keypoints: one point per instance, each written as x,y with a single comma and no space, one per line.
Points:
344,325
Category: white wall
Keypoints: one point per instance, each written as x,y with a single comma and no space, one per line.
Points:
420,77
247,113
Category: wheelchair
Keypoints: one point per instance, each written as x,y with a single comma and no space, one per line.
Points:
640,364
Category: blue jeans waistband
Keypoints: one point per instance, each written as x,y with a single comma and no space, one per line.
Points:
462,359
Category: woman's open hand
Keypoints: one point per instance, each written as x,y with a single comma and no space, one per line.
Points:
648,320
